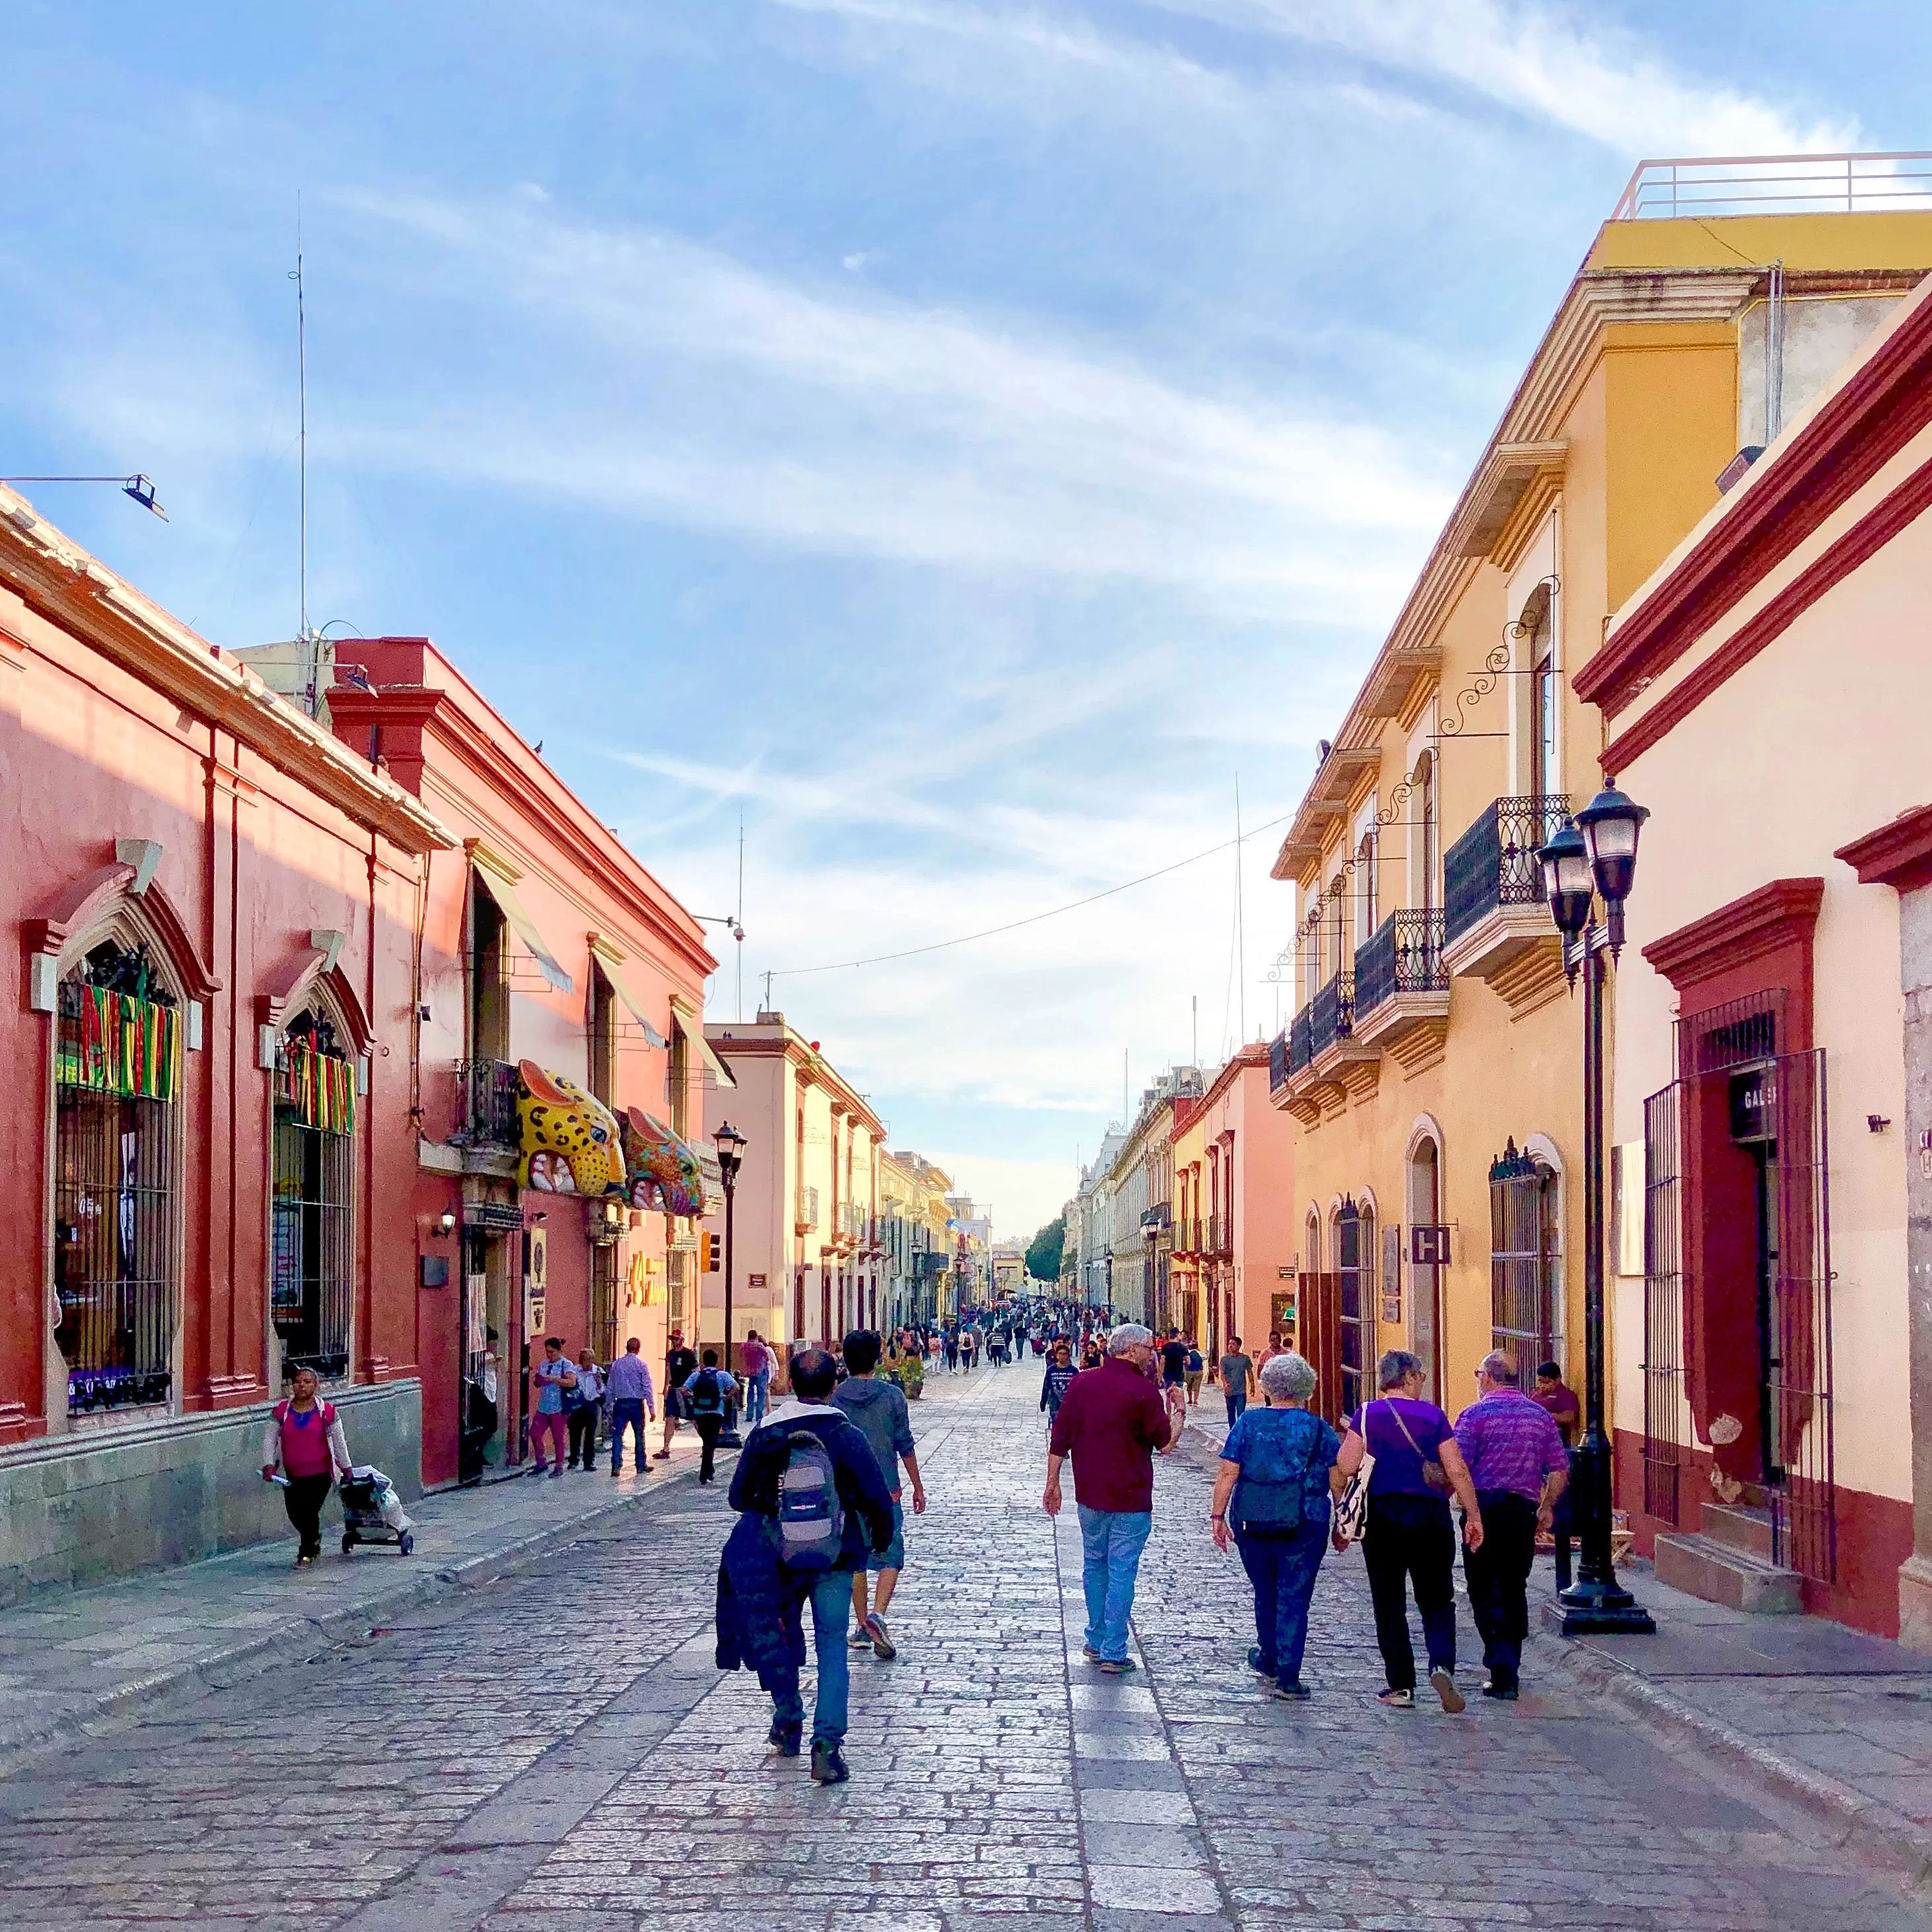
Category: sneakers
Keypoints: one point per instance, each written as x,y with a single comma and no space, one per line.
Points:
1503,1693
861,1637
1092,1655
883,1646
828,1762
1398,1700
660,1455
786,1739
1117,1666
1255,1664
557,1474
1292,1693
1445,1683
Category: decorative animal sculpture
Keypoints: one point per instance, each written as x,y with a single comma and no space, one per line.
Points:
662,1173
571,1143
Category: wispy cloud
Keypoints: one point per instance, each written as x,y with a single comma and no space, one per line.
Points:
658,376
1542,62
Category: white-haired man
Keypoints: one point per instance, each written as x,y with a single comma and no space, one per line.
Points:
1111,1420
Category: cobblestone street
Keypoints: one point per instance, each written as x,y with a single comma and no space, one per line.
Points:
556,1753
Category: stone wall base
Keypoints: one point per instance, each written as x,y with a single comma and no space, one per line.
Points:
88,1508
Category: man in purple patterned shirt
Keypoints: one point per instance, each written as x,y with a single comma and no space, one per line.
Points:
1519,1466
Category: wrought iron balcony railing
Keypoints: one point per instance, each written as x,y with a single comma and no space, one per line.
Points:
486,1105
1301,1043
1332,1015
1278,1062
1493,864
1405,956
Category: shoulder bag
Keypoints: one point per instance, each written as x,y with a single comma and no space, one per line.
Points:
1433,1473
1351,1507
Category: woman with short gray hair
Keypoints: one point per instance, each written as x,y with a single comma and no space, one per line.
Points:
1271,1498
1408,1535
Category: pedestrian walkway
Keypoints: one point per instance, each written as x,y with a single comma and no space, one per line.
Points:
69,1658
553,1751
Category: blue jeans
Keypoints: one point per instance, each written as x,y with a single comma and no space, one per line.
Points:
1236,1404
627,1413
758,1399
831,1601
1282,1569
1112,1541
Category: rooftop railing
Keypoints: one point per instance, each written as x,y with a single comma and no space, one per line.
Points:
1720,184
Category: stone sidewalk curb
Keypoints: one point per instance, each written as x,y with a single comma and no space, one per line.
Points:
404,1586
1853,1820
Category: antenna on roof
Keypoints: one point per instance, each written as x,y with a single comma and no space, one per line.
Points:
309,640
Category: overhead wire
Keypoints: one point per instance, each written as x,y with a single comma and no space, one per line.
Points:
1032,918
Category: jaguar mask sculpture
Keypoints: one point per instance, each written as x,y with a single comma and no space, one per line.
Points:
661,1172
571,1143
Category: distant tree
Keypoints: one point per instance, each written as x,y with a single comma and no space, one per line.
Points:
1042,1254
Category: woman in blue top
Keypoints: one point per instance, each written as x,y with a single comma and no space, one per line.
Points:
1271,1494
1408,1535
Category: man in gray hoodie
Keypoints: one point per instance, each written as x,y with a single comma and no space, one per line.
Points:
879,1408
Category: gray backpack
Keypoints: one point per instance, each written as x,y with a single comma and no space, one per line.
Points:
811,1518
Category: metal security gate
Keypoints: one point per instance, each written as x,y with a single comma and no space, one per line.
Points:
1799,1422
1664,1447
1526,1308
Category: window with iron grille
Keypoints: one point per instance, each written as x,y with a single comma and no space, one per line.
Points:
1525,1259
117,1084
1355,1265
312,1254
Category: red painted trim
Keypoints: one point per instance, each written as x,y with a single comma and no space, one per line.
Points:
1882,406
1899,854
1780,914
1860,543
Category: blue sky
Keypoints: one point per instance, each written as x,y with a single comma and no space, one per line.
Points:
966,437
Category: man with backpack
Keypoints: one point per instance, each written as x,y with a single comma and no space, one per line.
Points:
879,1408
707,1394
809,1486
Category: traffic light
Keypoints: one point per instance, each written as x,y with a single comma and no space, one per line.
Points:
711,1260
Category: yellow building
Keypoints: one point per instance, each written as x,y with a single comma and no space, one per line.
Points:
807,1259
1433,1065
912,1234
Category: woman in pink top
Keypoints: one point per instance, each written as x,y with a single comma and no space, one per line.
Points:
303,1442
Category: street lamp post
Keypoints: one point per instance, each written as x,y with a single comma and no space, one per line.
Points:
1595,853
731,1145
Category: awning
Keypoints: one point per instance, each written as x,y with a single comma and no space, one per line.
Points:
662,1171
622,988
500,890
701,1047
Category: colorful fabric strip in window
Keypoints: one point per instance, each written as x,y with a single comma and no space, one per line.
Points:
319,1089
114,1043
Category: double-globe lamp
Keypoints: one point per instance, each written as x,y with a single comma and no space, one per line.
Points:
1594,856
731,1145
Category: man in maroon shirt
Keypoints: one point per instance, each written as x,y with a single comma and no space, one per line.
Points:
1111,1421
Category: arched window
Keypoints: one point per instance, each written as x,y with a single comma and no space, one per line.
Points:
312,1243
1525,1257
1355,1269
117,1184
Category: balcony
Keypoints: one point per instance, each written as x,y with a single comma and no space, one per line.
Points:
805,1213
486,1106
1402,989
1278,1062
1301,1043
1495,926
1331,1015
